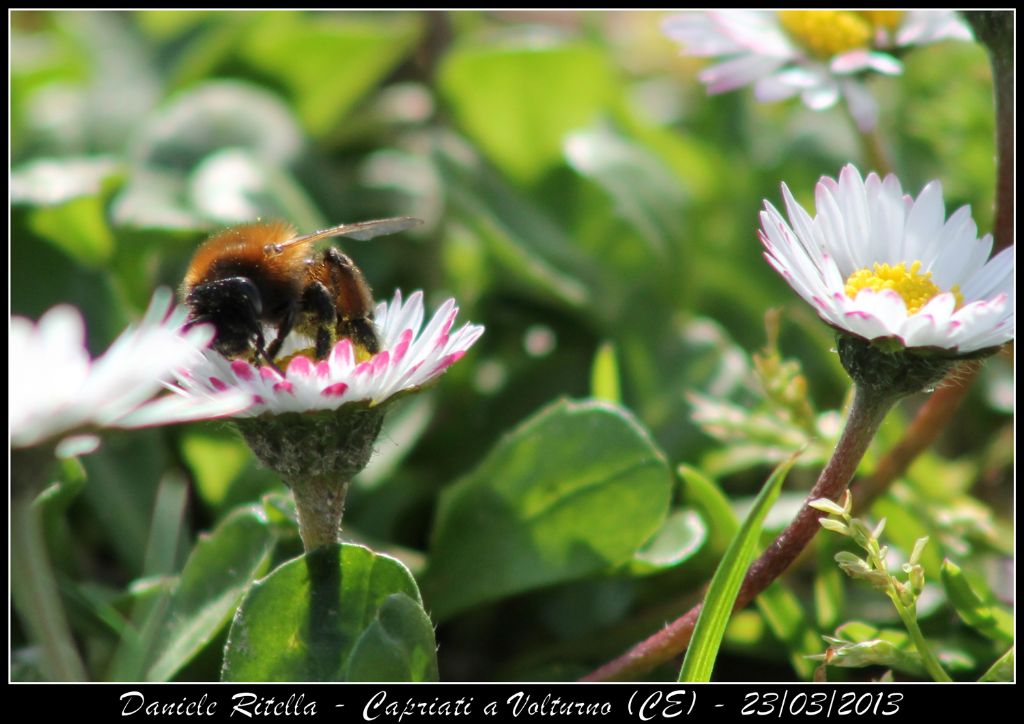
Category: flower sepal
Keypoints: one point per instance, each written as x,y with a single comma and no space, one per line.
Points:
315,444
888,370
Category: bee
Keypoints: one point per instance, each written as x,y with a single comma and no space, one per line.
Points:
261,273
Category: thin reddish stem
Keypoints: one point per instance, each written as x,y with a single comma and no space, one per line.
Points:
866,414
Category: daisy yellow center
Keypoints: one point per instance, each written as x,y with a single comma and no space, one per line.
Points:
917,289
825,33
883,19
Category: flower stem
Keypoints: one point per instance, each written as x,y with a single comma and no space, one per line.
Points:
995,31
929,422
928,658
866,414
872,146
874,151
907,614
320,505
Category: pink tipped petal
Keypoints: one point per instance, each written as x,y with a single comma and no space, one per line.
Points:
242,369
336,390
380,362
447,362
300,366
269,373
343,355
403,345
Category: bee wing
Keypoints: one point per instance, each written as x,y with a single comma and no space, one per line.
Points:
361,231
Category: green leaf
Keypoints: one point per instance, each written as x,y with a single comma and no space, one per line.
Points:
725,585
786,618
328,61
216,459
306,620
575,490
1001,670
397,646
779,607
889,647
986,619
518,233
905,526
167,526
702,493
519,98
68,200
216,574
828,586
642,189
682,535
604,375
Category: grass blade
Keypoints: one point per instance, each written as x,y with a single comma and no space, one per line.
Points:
725,585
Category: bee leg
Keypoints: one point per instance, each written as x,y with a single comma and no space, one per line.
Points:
318,304
354,301
283,330
362,332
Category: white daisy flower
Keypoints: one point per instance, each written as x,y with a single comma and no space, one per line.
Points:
57,389
411,356
878,264
818,54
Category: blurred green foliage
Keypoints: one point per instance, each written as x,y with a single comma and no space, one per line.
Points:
584,200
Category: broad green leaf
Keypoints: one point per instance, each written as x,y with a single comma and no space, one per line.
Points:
328,62
575,490
216,574
519,98
306,619
397,646
725,585
987,619
604,375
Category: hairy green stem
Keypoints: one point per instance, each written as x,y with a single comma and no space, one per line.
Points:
320,505
866,415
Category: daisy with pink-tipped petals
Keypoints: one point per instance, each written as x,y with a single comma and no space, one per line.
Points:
411,357
881,265
819,55
57,389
